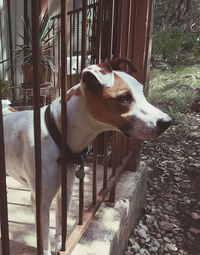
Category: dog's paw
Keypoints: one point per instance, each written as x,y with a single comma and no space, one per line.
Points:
58,240
45,252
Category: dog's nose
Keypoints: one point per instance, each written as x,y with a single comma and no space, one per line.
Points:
163,124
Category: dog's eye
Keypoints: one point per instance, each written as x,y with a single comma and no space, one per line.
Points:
125,99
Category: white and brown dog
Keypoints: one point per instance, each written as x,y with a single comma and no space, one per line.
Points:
105,99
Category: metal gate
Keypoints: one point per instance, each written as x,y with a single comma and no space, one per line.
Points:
99,31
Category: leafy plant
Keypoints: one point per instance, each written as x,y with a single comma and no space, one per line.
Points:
46,38
5,88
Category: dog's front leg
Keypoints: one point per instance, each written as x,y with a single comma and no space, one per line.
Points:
70,182
45,217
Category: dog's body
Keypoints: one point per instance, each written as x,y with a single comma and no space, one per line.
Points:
104,100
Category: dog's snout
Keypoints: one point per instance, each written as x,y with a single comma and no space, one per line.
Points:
163,124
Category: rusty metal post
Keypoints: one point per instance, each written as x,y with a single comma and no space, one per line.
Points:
64,119
84,29
99,32
10,42
3,192
37,128
83,61
110,49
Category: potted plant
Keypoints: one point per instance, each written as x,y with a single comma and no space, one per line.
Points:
23,52
5,89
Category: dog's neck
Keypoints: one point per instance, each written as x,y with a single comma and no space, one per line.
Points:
82,128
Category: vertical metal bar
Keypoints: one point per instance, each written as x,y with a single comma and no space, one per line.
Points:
37,130
81,200
110,33
99,31
77,57
105,170
114,165
110,48
84,30
59,58
94,182
2,48
54,55
83,61
10,41
70,49
3,192
64,119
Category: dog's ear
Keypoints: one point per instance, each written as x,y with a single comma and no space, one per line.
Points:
98,76
121,63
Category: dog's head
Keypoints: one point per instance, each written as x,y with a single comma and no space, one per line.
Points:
116,99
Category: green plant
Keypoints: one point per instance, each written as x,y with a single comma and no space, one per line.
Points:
175,47
47,34
5,88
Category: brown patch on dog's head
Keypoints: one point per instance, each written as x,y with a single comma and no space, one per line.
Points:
120,64
108,104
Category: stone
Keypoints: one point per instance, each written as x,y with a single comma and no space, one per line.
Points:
166,239
135,247
144,227
142,233
129,253
169,207
156,243
171,247
194,231
131,241
143,251
167,226
195,216
153,250
142,240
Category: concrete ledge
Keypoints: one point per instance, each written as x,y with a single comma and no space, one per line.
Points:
108,233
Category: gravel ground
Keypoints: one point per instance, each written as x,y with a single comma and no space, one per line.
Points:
170,223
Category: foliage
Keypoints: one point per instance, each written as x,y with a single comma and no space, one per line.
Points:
46,37
176,38
173,91
5,88
176,47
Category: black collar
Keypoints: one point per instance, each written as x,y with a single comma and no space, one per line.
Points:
71,157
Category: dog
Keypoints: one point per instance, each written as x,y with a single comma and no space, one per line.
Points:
107,98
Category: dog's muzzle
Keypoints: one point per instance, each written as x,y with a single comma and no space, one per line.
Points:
163,124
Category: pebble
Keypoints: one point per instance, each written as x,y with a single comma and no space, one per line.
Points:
143,251
194,231
142,233
195,216
167,226
153,250
135,247
166,239
171,247
129,253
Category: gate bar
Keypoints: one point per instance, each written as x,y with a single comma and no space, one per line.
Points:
83,61
3,193
37,129
64,119
10,41
99,32
83,39
95,156
88,215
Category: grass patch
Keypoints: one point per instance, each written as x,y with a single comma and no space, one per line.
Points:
173,90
